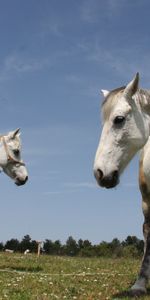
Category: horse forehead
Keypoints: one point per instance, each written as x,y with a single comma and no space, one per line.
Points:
113,101
119,105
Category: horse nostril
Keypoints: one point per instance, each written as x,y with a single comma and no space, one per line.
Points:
115,175
100,174
26,178
107,180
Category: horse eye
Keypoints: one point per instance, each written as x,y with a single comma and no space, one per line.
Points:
119,120
16,152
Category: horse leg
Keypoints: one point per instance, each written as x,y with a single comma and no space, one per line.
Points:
139,286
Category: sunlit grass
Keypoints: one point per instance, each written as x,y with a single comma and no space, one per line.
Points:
48,278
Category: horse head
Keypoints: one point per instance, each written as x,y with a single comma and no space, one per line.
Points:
125,131
10,157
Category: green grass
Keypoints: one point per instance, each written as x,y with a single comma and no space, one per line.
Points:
50,278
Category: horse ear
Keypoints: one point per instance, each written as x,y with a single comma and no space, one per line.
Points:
15,132
132,86
105,93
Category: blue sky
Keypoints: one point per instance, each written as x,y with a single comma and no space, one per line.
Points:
55,56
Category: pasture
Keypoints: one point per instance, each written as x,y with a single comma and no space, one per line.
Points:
50,277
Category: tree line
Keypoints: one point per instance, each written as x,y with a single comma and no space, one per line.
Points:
130,247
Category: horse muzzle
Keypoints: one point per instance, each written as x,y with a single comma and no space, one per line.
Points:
20,182
107,181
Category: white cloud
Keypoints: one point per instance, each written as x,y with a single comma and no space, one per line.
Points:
17,63
130,184
91,10
56,141
114,7
51,27
88,11
52,193
79,185
71,188
75,79
123,61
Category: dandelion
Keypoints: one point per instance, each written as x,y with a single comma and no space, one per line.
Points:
105,285
19,278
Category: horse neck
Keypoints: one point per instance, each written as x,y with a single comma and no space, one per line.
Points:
3,157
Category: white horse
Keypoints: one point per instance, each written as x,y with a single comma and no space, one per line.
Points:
126,130
10,157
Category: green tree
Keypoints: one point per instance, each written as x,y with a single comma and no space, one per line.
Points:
33,246
12,244
116,248
48,246
114,244
86,249
130,251
104,249
25,243
80,244
71,246
57,247
131,240
1,246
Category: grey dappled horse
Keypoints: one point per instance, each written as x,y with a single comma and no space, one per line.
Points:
126,130
10,157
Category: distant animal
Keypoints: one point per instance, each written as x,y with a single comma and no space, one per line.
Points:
126,130
10,157
9,251
26,252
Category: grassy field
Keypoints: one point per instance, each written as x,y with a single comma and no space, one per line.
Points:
50,278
